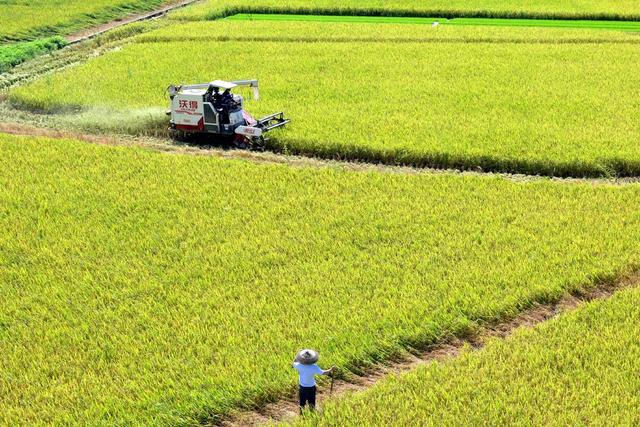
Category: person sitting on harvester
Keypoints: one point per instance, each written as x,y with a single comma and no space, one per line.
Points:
306,365
213,96
227,99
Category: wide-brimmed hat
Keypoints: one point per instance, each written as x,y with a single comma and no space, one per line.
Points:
307,356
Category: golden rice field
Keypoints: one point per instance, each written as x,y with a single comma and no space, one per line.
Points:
146,281
22,19
544,9
164,289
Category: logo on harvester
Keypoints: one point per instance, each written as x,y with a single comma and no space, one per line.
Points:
188,105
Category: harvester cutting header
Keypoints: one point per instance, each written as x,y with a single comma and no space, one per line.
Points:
211,108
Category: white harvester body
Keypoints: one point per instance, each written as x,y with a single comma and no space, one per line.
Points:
202,109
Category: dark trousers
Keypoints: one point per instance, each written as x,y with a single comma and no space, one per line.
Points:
308,396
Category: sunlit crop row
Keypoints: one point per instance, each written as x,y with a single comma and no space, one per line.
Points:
441,100
147,288
581,369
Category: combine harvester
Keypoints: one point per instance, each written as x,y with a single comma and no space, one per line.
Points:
211,109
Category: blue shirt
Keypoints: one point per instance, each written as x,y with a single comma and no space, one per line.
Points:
307,373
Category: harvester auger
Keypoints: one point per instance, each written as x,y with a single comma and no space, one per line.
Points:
211,109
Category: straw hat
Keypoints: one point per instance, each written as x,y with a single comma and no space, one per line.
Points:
307,357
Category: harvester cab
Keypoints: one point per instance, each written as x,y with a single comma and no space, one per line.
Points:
212,108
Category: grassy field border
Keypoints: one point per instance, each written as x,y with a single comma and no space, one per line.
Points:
17,53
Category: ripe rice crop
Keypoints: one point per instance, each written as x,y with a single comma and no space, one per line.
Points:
147,288
30,19
542,9
436,97
575,370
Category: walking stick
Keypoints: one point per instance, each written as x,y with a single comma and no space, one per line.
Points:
331,387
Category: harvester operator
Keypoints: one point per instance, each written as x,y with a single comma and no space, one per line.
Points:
213,96
227,99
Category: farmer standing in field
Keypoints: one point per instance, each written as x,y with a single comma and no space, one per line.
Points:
306,365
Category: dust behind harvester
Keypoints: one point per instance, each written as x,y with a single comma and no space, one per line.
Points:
211,109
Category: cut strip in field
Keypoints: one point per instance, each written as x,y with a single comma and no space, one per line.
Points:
578,369
471,99
162,289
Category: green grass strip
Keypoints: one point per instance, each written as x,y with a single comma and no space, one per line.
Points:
551,23
14,54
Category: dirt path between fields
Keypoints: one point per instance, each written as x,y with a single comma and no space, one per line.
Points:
287,409
167,146
89,33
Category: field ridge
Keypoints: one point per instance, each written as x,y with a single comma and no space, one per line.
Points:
227,11
287,409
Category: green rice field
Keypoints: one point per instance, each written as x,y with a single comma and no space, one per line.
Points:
493,22
165,289
575,370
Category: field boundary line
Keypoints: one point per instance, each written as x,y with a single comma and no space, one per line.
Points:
538,313
89,33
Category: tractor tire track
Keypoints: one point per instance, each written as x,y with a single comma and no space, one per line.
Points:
287,408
